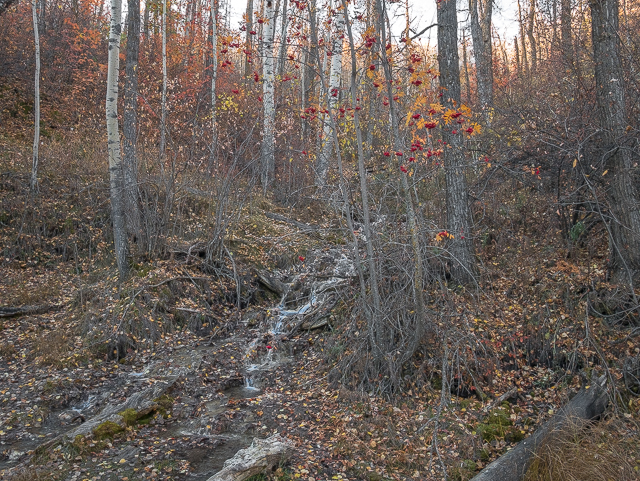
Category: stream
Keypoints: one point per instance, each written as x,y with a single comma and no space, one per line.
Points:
208,424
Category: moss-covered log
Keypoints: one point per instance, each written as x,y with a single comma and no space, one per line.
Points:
587,405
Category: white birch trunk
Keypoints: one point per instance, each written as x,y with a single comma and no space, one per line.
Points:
163,118
333,96
113,140
36,134
214,75
268,87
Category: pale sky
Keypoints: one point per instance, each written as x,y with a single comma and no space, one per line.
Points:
423,13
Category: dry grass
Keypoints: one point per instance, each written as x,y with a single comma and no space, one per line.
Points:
608,451
52,347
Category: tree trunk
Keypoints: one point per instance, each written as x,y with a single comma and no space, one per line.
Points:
113,141
587,405
214,77
465,62
364,191
517,55
532,38
130,125
463,267
267,154
145,25
312,59
248,42
565,32
483,51
163,101
523,43
36,100
610,96
283,39
333,96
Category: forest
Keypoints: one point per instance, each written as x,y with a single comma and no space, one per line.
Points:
319,240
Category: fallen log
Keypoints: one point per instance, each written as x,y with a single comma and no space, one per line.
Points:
587,405
27,310
263,454
271,283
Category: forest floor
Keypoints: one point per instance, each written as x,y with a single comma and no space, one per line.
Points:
526,332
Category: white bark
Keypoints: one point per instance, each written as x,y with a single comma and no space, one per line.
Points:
214,75
163,118
113,140
335,78
262,455
268,87
36,101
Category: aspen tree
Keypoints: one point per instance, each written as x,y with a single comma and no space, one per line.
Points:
333,96
113,141
267,154
36,101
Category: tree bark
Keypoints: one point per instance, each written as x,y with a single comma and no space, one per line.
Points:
261,456
311,60
587,405
483,51
36,100
130,125
248,41
364,191
565,32
283,39
333,96
532,38
113,141
610,96
523,43
214,78
465,62
463,267
517,55
163,101
267,154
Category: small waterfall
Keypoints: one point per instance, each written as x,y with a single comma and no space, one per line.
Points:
249,383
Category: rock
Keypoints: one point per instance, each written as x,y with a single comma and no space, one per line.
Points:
263,454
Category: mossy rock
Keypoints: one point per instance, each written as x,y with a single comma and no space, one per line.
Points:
165,403
107,429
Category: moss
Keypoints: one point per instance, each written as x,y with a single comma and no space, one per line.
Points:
496,425
107,429
130,416
514,435
165,403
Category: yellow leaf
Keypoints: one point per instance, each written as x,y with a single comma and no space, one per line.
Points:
575,162
605,173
